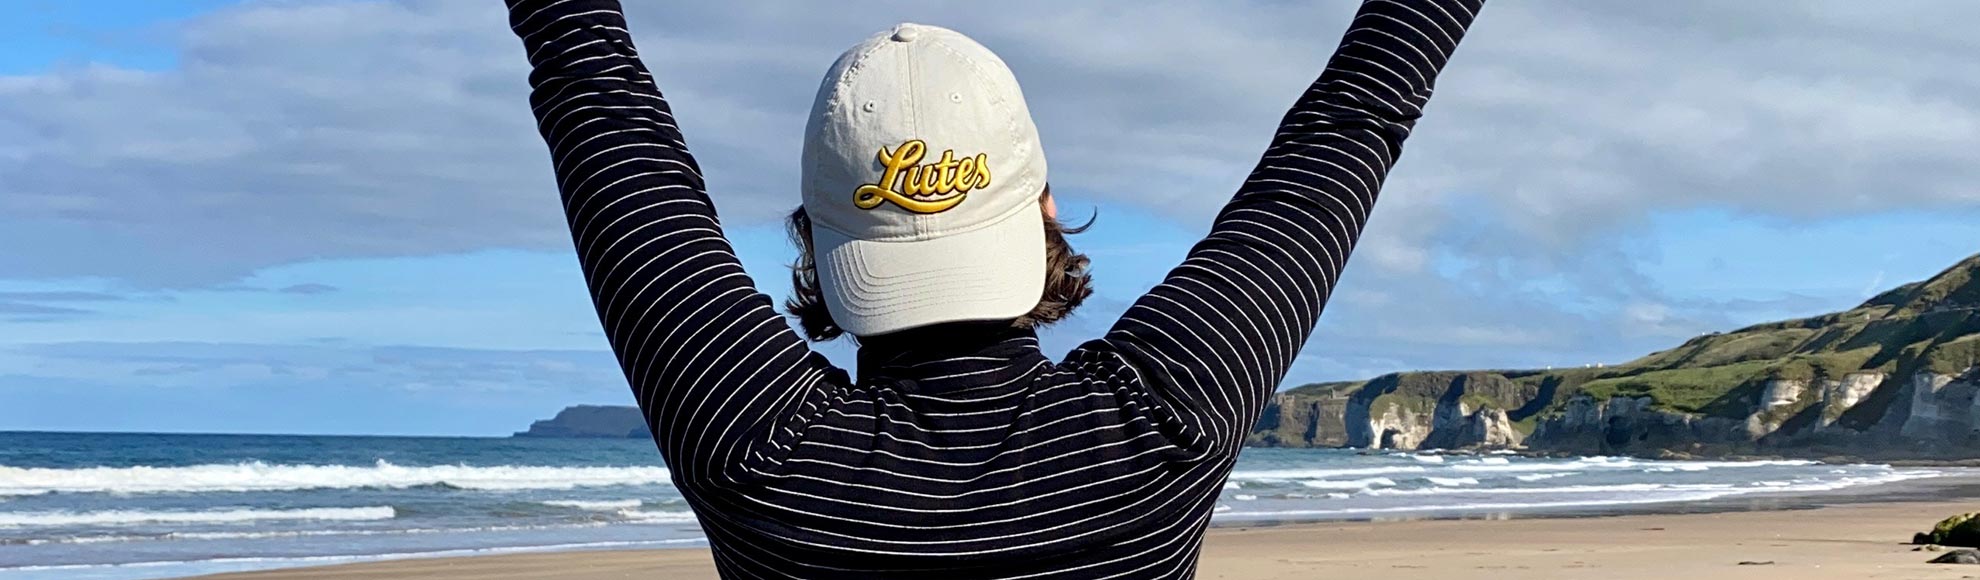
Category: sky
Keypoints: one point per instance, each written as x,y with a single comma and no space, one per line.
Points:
335,216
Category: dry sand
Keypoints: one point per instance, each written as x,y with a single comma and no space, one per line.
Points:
1853,541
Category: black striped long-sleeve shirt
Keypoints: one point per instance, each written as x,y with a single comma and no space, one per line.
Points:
961,450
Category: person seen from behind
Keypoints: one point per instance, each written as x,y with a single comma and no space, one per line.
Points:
928,231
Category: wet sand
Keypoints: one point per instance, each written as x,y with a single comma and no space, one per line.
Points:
1862,539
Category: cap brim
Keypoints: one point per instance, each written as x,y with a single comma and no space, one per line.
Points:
995,272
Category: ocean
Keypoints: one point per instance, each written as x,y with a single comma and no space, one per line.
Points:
129,506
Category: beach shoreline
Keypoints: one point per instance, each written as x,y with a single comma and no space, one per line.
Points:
1848,534
1962,484
282,502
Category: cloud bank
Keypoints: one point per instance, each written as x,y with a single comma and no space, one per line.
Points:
311,130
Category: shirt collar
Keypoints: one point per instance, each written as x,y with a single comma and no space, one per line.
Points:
955,354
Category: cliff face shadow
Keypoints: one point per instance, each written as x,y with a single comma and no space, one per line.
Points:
1549,388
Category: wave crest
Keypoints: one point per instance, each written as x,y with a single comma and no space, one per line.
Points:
216,516
258,476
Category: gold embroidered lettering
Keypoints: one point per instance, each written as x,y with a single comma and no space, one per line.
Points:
923,188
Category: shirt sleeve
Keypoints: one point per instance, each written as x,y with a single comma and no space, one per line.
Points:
1217,336
715,369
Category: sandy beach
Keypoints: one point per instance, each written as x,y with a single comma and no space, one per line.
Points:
1849,541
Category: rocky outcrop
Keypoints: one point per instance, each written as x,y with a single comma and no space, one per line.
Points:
1943,408
1451,426
1395,428
1436,410
1940,413
1621,424
1779,400
1817,403
1961,530
1293,420
1840,396
592,422
1488,428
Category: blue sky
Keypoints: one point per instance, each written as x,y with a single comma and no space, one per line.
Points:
333,216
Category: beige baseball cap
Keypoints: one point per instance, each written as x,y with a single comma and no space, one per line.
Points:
922,175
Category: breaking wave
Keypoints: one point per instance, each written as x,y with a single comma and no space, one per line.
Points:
217,516
258,476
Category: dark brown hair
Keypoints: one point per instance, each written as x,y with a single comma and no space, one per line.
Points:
1067,280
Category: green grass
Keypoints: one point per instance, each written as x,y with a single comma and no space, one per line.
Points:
1525,426
1476,401
1419,405
1689,390
1832,366
1957,286
1954,356
1333,389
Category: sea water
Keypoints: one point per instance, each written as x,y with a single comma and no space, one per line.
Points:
123,506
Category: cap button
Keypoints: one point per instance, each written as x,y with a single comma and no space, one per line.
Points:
906,33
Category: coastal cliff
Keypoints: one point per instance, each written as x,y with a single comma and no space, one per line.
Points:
1895,376
592,422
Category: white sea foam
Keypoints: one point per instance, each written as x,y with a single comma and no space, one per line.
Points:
1570,489
1295,474
656,517
216,516
1243,497
1509,506
1502,464
159,568
1736,464
596,506
645,517
1452,481
1349,484
1637,496
1428,458
1807,485
258,476
1654,490
263,535
1540,476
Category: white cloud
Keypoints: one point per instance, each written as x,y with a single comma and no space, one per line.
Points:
359,128
182,365
347,128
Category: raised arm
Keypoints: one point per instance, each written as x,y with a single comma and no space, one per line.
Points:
712,364
1216,337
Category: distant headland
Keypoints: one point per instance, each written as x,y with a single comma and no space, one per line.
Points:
1897,377
591,422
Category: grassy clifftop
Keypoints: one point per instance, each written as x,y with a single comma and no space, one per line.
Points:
1931,325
